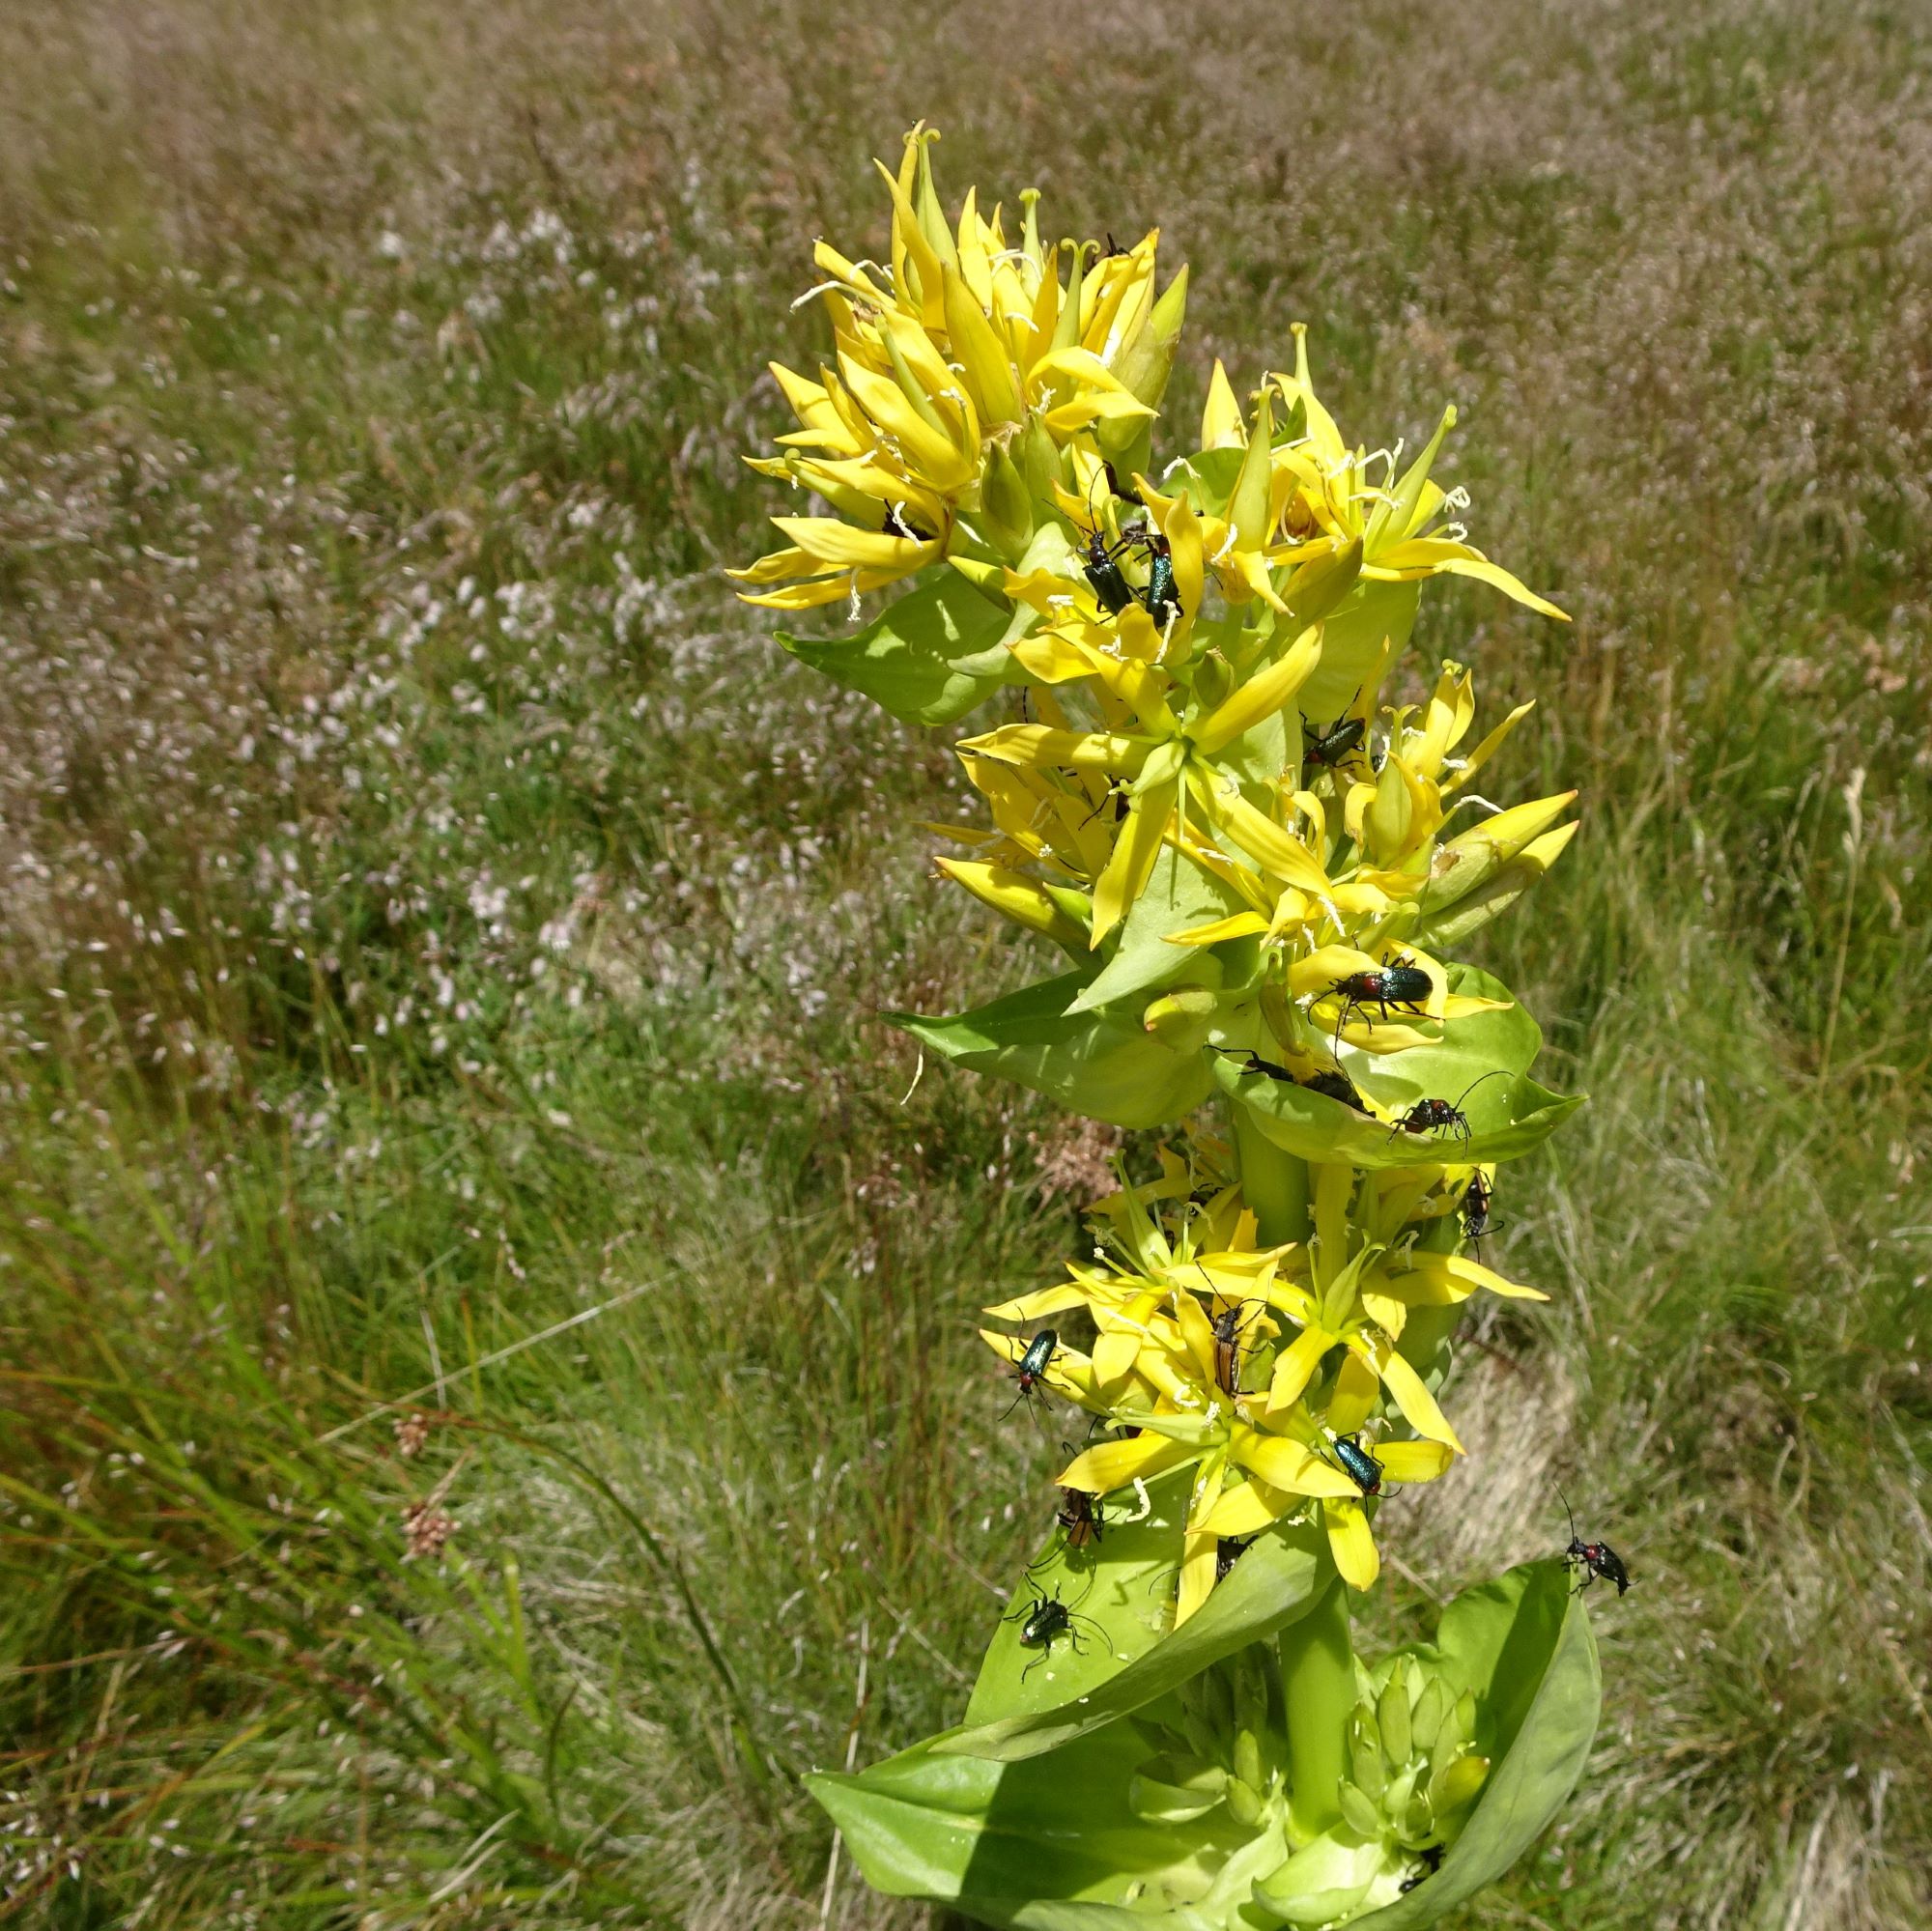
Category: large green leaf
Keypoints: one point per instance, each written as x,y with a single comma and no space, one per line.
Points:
1104,1065
1508,1119
1012,1715
1179,895
1120,1591
1508,1116
929,659
1522,1645
1053,1842
1050,1844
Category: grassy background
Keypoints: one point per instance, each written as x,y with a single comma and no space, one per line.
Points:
442,932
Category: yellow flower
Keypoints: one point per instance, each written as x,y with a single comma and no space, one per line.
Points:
1178,1327
1163,763
1328,500
961,367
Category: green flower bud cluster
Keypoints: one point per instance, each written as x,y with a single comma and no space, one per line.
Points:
1413,1775
1229,1746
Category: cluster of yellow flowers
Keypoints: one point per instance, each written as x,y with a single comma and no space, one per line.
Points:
965,369
1202,798
1216,1350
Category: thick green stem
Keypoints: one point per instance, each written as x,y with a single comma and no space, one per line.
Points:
1318,1679
1273,1184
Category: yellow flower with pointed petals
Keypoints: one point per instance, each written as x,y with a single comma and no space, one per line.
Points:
1163,763
1327,497
961,364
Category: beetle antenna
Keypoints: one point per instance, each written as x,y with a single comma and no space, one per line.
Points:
1499,1073
1565,1500
1099,476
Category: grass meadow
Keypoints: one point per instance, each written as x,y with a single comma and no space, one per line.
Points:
487,1344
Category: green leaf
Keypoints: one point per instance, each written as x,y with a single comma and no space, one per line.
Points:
906,660
1522,1645
1179,895
1352,639
1175,1790
1120,1589
1276,1581
1508,1116
1104,1065
1051,1844
998,1840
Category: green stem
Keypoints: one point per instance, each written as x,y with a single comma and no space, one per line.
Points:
1318,1679
1273,1184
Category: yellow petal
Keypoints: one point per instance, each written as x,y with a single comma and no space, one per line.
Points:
1415,1460
1248,1507
1428,557
1409,1390
1081,365
1066,418
1487,749
821,591
1295,1365
1278,852
1183,530
1237,925
1041,1301
1197,1575
1197,1333
1015,895
1289,1466
1323,437
1112,1464
1053,657
981,354
1460,1004
1446,718
841,547
774,566
1389,1314
1123,1333
1351,1544
1135,850
1044,747
1260,697
1221,421
1356,1392
1435,1280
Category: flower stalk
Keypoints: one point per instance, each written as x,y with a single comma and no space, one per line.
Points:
1252,842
